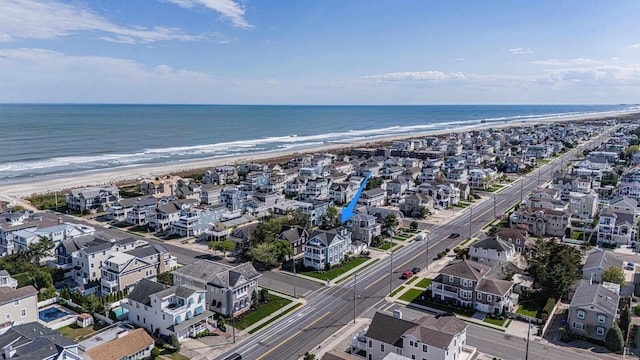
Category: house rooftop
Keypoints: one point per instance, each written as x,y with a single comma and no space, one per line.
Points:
595,295
123,346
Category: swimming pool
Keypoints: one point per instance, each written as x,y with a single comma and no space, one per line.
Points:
50,314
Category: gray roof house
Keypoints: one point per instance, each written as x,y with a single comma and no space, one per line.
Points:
597,262
492,251
436,337
592,311
229,288
33,341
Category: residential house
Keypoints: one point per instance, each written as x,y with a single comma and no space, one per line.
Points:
7,281
463,282
186,190
159,187
35,341
129,344
195,220
596,263
541,222
435,338
18,306
363,227
317,189
56,233
242,235
233,198
161,218
493,251
210,194
119,210
326,248
516,237
13,222
592,311
141,210
122,270
178,310
92,198
221,175
616,228
414,203
88,259
373,197
296,236
229,288
583,206
341,193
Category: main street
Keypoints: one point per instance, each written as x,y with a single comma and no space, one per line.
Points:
330,308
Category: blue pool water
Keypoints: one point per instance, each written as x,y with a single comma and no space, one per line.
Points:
50,314
120,312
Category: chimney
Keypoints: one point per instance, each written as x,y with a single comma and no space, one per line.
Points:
9,352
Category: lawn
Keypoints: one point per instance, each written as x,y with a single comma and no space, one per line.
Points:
544,161
74,332
528,309
394,292
335,272
254,330
385,246
495,321
399,238
495,188
276,303
424,283
411,280
411,295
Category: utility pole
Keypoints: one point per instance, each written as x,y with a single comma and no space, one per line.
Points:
293,260
521,190
526,354
426,266
355,282
470,218
391,266
494,206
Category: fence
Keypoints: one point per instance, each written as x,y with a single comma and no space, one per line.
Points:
47,302
525,318
103,318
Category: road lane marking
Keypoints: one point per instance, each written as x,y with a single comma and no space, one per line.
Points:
294,335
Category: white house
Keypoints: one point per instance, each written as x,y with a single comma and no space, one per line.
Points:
326,248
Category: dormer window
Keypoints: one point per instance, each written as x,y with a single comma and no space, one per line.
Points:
581,314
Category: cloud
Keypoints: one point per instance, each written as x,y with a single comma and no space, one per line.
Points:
596,73
228,8
520,51
635,46
416,76
22,19
570,62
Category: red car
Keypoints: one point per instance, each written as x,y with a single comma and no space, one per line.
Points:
407,274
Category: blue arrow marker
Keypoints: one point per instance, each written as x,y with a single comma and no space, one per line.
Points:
347,212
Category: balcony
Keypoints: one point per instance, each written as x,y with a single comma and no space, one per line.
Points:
109,283
175,310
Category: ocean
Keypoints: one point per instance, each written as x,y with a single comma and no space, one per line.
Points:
52,140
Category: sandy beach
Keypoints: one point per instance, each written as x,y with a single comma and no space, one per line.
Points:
131,174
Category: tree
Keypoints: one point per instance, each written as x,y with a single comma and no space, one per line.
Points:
613,274
423,212
225,246
374,182
554,267
413,225
165,278
173,341
614,340
254,298
309,356
331,219
390,224
41,249
263,253
625,320
281,249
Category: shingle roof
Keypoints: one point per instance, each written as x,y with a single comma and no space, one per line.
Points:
143,289
465,269
34,341
494,286
388,329
493,243
8,294
595,295
217,274
601,259
122,347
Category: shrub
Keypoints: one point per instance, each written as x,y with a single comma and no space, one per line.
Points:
548,308
636,310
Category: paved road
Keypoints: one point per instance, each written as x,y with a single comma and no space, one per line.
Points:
329,309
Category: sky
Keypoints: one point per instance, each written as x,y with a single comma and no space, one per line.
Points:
320,52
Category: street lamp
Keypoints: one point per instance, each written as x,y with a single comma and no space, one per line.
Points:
470,219
355,283
391,263
426,266
293,261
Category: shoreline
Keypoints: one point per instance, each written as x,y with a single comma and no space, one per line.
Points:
48,185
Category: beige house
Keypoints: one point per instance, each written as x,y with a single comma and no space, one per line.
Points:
18,306
124,269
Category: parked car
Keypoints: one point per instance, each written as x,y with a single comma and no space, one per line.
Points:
415,270
630,266
454,235
407,274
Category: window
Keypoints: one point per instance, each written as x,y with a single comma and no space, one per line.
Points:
602,319
450,278
479,296
581,314
16,303
8,316
577,325
370,344
425,348
484,251
600,330
23,312
382,347
410,342
489,298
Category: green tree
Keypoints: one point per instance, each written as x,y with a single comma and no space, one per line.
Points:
331,219
41,249
390,224
263,253
554,267
413,225
309,356
613,274
614,340
224,246
281,249
264,295
165,278
254,298
374,182
173,341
